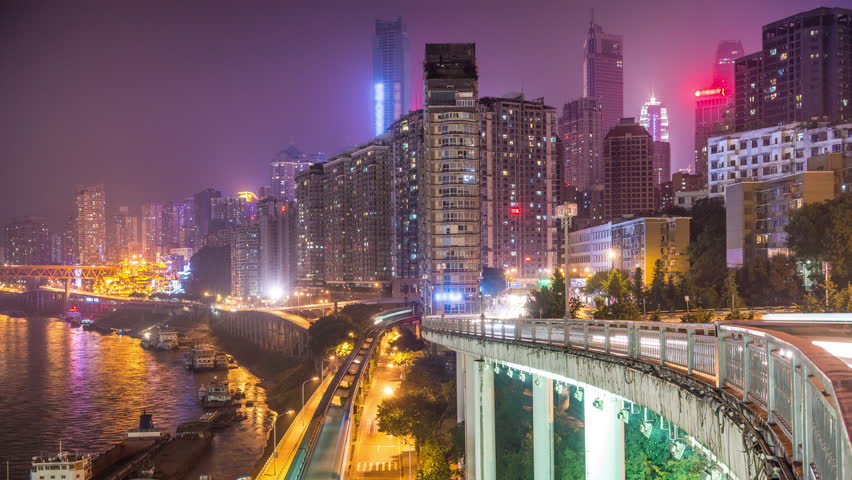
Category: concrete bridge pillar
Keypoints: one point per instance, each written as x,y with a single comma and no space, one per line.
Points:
543,428
461,373
604,434
468,394
486,468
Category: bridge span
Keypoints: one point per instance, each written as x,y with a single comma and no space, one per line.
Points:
757,403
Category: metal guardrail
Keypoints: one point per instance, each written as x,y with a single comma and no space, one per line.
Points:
770,372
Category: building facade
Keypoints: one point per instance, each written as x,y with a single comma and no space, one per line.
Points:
91,225
245,261
801,73
603,74
391,74
655,118
123,236
450,217
277,249
286,166
520,186
310,234
581,131
772,152
714,115
630,243
371,204
28,242
629,170
152,230
406,141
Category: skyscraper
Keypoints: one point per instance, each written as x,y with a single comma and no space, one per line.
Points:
391,73
69,241
202,201
727,53
629,160
28,242
450,217
655,118
662,162
802,72
245,261
122,235
286,166
407,150
520,181
152,230
310,236
91,224
276,248
603,74
713,116
580,128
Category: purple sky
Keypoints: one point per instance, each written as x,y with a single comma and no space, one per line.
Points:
157,100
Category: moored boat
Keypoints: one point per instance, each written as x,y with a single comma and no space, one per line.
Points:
76,466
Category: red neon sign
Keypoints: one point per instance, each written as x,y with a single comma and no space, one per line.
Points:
515,210
528,259
710,91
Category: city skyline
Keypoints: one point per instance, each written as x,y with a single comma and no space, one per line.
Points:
223,139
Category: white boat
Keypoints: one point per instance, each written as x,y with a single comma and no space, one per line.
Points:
72,466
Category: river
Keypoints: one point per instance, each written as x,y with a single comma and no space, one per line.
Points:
87,389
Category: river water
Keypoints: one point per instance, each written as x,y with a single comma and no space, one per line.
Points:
87,389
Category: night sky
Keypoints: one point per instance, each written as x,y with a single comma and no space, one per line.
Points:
157,100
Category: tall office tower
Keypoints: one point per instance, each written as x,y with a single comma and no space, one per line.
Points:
406,136
391,74
337,219
203,215
152,230
56,257
713,116
727,52
629,160
802,72
228,212
310,237
371,213
276,248
91,224
69,241
316,157
187,226
171,225
655,118
580,128
122,235
662,162
520,182
285,167
245,261
450,218
28,242
603,74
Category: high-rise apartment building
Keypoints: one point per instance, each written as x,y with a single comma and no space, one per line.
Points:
801,73
629,167
337,218
603,74
245,261
152,230
310,235
391,73
203,204
277,254
27,242
370,203
771,152
91,224
450,217
581,131
123,236
662,162
69,242
520,186
406,141
286,166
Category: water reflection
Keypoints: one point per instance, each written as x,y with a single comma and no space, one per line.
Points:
87,389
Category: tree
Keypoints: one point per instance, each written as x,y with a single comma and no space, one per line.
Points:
637,286
432,461
730,293
774,281
549,301
822,232
657,293
595,285
408,341
616,287
707,251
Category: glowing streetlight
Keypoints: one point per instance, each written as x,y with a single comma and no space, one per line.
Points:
315,379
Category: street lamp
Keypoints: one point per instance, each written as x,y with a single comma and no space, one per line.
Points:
322,364
303,388
565,212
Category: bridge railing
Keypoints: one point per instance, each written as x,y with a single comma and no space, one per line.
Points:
800,388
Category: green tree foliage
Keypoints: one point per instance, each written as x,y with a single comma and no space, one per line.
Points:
822,232
620,306
574,307
699,315
707,252
730,292
595,285
432,461
657,292
637,286
770,282
616,287
330,331
408,341
210,270
549,301
411,414
493,281
838,300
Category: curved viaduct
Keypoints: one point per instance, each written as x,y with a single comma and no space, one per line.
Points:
760,404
